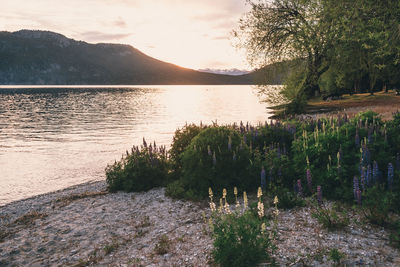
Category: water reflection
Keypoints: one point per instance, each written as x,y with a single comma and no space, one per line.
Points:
56,137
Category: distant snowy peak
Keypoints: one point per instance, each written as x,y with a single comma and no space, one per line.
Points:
225,71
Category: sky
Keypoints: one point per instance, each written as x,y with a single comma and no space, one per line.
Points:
190,33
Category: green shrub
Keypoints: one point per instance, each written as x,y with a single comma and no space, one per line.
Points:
287,199
217,158
180,141
140,170
239,241
376,205
331,218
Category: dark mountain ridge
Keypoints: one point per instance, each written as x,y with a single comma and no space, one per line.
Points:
43,57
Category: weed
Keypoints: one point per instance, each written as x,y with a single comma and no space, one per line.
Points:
163,245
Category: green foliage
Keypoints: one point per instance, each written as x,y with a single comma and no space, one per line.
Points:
238,240
181,141
331,218
294,92
209,162
377,204
395,235
336,256
163,245
140,170
287,199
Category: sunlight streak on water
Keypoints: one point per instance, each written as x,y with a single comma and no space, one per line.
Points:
56,137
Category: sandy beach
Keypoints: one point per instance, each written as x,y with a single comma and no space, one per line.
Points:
85,225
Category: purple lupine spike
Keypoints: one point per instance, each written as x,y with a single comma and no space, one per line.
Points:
263,176
355,187
144,142
319,195
369,175
375,172
309,180
357,138
362,178
299,187
370,135
245,139
359,197
390,175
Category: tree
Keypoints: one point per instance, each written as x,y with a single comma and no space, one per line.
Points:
288,29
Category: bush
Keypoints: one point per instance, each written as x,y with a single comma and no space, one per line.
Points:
217,158
140,170
287,199
238,240
294,92
377,203
331,218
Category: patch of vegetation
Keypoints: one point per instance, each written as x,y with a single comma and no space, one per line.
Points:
163,245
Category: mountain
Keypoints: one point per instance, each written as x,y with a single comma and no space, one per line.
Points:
225,71
43,57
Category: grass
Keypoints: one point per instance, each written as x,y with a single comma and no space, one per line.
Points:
383,103
64,201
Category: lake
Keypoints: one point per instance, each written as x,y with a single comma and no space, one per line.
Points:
55,137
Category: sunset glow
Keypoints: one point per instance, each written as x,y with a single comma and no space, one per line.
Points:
189,33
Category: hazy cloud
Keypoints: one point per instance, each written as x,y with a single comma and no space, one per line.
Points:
96,36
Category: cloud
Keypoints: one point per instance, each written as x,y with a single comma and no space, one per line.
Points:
94,36
120,23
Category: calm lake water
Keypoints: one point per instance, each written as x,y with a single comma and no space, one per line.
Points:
52,138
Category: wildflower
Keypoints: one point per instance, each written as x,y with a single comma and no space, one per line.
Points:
308,162
309,180
235,192
270,178
355,186
357,138
276,200
245,201
263,176
300,188
375,172
362,178
390,175
210,193
260,208
226,208
359,197
213,206
220,206
224,193
259,192
368,177
229,143
319,195
263,228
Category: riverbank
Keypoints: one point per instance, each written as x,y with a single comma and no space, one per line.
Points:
380,102
85,225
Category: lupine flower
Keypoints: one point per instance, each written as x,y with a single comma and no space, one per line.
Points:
270,175
280,172
235,192
224,193
263,176
229,143
308,162
220,206
259,193
245,201
375,172
210,193
300,188
390,175
209,150
362,178
263,228
309,180
319,195
226,208
260,208
144,142
359,196
369,175
355,186
357,138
